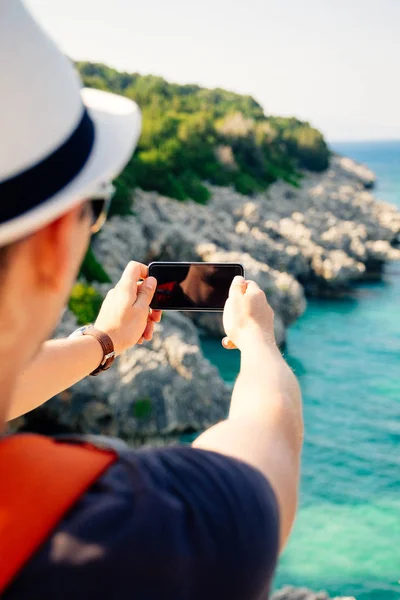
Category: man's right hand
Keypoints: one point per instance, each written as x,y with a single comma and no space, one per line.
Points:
247,316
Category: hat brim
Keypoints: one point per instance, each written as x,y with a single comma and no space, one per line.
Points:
117,124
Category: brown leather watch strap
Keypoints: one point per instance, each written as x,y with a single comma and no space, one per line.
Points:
108,348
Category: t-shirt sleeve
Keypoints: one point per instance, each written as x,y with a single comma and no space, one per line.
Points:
172,523
226,530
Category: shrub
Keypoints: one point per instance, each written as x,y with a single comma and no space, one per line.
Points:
302,143
92,270
85,302
245,184
142,408
194,188
122,201
183,127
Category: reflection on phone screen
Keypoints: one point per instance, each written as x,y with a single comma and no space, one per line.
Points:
196,286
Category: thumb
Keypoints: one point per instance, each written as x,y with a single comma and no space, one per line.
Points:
146,293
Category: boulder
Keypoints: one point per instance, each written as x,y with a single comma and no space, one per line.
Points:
356,171
162,388
292,593
121,240
284,293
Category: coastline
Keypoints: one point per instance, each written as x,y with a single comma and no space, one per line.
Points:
316,240
292,593
124,404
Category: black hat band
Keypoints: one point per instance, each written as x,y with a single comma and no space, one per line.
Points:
37,184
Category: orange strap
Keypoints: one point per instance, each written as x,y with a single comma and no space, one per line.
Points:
40,479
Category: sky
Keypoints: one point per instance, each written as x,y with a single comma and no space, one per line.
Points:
334,63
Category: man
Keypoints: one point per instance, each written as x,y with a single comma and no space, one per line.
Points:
202,522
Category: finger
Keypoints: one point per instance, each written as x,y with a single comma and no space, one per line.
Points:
253,288
145,293
238,286
148,332
129,279
228,344
140,342
155,315
110,293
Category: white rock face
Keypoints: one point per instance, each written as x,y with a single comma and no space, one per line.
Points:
284,293
364,174
319,237
324,235
162,388
121,240
291,593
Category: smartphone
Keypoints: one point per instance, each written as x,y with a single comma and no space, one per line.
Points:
197,286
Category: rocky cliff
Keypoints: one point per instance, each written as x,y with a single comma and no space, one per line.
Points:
291,593
153,393
316,239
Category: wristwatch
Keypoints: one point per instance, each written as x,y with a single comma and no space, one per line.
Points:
105,342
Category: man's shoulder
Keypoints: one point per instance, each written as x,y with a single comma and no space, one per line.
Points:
196,518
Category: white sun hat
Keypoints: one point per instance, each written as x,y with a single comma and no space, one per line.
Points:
59,143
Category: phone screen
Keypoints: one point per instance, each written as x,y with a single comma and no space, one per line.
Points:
193,286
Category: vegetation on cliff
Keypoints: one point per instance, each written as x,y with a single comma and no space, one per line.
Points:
85,303
192,135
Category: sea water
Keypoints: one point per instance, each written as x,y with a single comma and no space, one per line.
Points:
346,354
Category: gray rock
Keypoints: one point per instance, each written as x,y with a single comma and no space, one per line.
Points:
162,388
122,240
356,171
284,293
321,236
292,593
323,233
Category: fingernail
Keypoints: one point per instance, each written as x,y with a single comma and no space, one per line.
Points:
238,279
150,283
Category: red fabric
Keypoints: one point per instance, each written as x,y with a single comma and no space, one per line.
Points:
165,292
40,479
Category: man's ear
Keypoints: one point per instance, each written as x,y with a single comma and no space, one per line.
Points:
51,250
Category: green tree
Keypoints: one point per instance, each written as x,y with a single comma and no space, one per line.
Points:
185,125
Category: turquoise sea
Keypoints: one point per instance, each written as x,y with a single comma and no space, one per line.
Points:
346,354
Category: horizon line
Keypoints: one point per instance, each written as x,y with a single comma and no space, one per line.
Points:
364,140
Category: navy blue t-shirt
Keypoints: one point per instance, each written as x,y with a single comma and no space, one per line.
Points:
172,524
